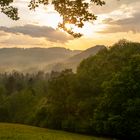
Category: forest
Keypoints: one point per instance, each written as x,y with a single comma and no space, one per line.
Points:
101,98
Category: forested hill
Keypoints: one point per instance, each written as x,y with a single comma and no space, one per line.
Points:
73,61
102,98
31,60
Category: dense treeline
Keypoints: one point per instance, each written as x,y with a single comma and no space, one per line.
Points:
102,98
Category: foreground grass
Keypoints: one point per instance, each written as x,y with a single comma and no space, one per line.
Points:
24,132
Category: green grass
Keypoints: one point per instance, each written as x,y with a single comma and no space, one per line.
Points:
24,132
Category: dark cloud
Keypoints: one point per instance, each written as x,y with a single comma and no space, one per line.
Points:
123,25
38,31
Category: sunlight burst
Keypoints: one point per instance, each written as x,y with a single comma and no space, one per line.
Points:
49,17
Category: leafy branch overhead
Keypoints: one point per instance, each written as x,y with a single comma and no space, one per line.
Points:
10,11
74,12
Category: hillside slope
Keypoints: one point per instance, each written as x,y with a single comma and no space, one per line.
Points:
23,132
32,59
46,59
73,61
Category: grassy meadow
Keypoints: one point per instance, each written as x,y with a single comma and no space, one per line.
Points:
24,132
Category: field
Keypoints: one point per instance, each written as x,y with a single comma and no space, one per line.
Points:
24,132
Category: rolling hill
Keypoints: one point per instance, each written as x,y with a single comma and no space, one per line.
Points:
24,132
32,59
74,61
46,59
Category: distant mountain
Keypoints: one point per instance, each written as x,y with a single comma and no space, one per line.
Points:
75,60
46,59
32,59
89,52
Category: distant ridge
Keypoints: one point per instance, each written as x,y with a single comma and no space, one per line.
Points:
88,52
32,59
46,59
74,61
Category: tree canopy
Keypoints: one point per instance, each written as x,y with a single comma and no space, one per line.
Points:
74,12
10,11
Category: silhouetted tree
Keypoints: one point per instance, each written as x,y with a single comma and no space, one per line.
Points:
74,12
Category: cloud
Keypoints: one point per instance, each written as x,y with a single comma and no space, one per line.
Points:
111,5
39,32
123,25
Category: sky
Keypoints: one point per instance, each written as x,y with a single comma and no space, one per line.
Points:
118,19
